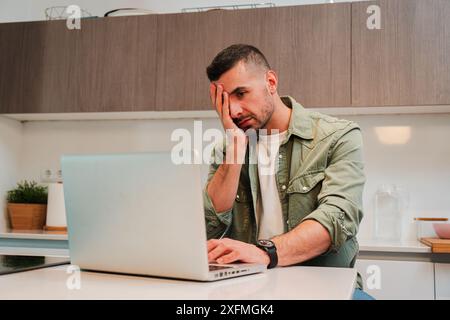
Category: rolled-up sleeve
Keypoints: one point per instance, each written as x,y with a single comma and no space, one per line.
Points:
216,222
340,208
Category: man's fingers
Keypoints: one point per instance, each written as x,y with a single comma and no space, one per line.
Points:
217,252
226,107
211,244
219,100
229,258
212,94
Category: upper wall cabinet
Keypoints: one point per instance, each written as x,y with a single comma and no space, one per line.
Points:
116,60
34,67
407,61
308,47
158,62
108,65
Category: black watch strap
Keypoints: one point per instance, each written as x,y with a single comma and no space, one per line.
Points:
269,247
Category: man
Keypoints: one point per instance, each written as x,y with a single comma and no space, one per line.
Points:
308,210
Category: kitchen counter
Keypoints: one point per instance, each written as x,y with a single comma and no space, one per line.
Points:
33,234
279,283
409,246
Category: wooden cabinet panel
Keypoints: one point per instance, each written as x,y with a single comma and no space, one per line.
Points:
158,62
186,45
11,50
407,61
59,70
36,61
108,65
116,59
308,46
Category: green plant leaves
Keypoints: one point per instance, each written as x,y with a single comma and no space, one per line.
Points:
28,192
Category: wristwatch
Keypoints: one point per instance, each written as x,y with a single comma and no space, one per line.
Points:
269,247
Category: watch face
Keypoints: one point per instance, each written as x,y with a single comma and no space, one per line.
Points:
266,243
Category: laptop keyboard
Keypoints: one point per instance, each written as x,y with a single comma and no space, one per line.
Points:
215,268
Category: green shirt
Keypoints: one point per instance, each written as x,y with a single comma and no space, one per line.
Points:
320,177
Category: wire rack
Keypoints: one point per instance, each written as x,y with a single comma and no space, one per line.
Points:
233,7
59,13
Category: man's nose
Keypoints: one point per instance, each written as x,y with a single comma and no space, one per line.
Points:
235,110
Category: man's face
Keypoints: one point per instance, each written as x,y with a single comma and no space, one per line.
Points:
251,104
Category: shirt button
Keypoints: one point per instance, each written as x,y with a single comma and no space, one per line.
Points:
287,221
280,156
283,187
305,188
237,196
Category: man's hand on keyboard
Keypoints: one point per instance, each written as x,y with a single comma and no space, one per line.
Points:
226,250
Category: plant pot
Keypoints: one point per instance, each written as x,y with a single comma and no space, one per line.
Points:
25,216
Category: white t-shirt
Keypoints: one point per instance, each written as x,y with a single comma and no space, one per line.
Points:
268,206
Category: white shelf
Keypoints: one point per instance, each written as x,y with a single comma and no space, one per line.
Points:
154,115
410,246
33,235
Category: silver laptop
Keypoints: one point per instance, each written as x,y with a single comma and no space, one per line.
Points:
139,214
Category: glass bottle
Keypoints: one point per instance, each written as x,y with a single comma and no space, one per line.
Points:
390,203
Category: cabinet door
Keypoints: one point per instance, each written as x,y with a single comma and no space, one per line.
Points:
398,280
407,61
36,60
442,281
11,46
116,64
308,46
187,43
107,65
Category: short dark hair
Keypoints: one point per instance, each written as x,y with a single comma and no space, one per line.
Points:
229,57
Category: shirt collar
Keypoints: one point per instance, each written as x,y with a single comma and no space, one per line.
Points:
301,123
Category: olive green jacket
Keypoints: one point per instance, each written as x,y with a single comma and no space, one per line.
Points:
325,183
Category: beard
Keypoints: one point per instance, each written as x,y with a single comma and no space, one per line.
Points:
266,112
261,119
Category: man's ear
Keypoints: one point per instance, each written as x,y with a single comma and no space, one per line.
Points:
272,81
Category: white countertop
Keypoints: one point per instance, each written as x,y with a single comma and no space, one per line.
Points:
411,246
33,235
275,284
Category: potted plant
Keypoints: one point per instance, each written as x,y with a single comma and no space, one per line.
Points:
27,206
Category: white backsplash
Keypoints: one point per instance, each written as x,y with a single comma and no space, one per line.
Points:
10,146
420,161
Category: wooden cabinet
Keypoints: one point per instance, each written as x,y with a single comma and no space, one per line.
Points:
117,64
11,47
108,65
407,61
308,46
158,62
324,54
186,45
36,63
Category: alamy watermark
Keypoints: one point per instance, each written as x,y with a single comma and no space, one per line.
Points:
374,20
73,282
213,146
73,20
373,281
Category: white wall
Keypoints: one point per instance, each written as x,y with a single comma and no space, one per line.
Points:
49,140
10,147
421,164
29,10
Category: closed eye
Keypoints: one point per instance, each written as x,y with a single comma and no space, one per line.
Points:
240,94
